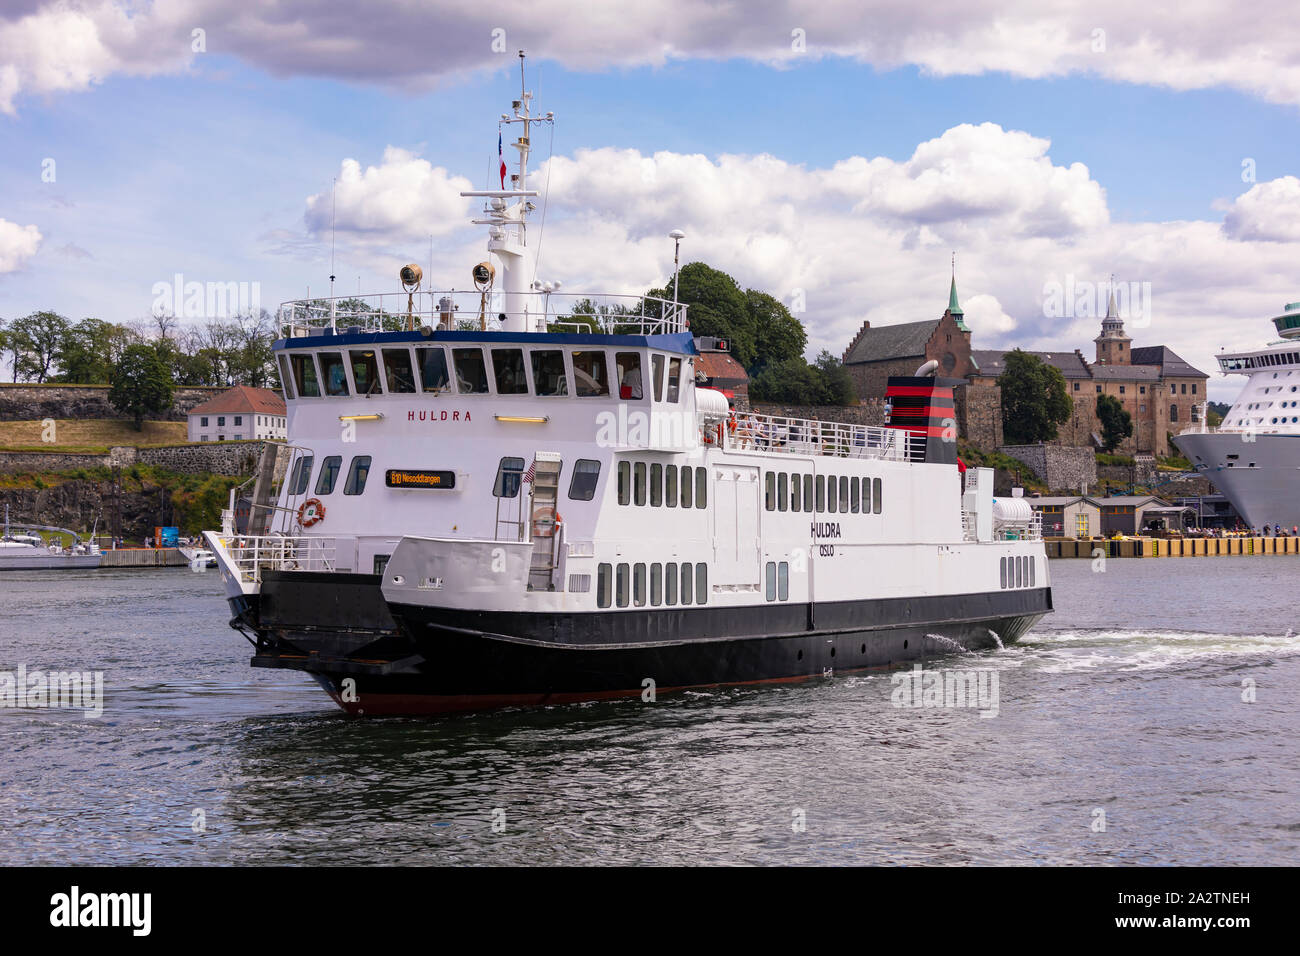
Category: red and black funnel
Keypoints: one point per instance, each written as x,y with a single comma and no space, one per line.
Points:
924,406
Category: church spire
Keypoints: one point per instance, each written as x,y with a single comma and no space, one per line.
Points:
954,307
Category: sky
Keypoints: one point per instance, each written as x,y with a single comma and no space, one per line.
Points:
834,155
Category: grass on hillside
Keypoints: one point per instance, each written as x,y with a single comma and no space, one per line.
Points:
88,436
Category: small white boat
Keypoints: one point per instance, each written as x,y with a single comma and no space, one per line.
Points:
27,551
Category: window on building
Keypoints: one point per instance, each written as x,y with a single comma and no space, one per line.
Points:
1098,389
204,421
329,474
1194,388
221,420
548,373
589,376
586,474
331,370
1121,389
398,374
1142,389
1076,386
358,472
510,476
1173,413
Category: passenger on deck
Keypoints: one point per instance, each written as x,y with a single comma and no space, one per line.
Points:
630,386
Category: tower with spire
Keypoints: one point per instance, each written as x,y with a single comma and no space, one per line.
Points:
1113,344
954,307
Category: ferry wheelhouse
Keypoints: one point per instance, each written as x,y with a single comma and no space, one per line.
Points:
1253,457
512,497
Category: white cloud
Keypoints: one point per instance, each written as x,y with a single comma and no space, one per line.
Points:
60,46
17,245
1268,211
403,198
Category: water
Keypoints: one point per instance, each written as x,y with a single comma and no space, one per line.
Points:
1127,701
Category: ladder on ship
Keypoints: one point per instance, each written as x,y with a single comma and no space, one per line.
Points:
262,504
545,521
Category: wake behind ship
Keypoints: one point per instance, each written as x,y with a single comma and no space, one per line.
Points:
489,500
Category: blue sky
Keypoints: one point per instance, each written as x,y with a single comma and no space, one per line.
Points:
204,168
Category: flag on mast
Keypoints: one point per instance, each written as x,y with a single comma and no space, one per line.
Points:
502,159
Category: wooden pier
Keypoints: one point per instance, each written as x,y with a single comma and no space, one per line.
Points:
1170,547
144,558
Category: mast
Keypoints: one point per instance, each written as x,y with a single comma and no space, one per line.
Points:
508,224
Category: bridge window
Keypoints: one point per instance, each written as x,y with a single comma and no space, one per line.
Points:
433,368
657,372
604,591
301,475
331,370
628,367
508,365
548,372
398,375
365,372
586,473
674,379
304,376
589,375
357,475
286,377
510,475
329,474
471,375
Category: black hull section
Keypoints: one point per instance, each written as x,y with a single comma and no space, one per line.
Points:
418,660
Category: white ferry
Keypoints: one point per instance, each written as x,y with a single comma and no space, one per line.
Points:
548,507
1253,457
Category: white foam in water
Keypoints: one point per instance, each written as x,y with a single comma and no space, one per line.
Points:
1063,651
951,643
994,635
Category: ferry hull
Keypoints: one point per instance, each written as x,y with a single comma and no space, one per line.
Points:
409,660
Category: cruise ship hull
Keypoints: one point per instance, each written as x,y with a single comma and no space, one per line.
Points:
1266,494
405,659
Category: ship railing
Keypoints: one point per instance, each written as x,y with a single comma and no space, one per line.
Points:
472,311
802,436
1030,529
250,555
969,529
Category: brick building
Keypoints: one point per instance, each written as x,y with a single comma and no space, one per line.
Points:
720,370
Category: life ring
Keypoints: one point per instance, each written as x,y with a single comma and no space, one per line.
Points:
311,512
545,521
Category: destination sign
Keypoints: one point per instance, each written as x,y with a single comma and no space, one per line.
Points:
402,478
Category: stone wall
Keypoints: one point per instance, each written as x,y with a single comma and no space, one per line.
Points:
866,413
25,402
1060,468
234,458
979,415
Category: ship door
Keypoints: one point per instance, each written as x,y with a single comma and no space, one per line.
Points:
735,525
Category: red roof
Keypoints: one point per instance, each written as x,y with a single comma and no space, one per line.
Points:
242,399
720,365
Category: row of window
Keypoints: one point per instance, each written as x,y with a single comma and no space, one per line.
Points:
778,581
845,495
659,485
1142,389
1260,361
473,370
626,584
1018,571
582,485
358,472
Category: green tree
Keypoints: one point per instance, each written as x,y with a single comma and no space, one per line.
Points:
1034,399
90,349
141,384
718,308
36,340
791,381
778,335
837,383
1116,423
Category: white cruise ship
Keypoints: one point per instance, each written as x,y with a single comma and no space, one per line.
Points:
498,498
1253,457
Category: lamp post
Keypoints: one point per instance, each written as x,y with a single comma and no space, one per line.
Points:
676,236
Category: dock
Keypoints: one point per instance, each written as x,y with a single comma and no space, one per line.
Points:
144,558
1170,547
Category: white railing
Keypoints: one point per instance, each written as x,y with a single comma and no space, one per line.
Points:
803,436
452,310
251,555
1031,530
969,529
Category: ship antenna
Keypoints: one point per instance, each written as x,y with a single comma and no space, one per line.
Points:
333,206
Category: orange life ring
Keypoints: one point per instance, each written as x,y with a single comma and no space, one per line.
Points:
545,521
311,512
